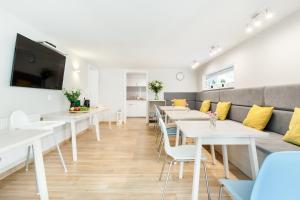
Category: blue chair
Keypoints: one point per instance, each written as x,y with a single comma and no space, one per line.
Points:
278,179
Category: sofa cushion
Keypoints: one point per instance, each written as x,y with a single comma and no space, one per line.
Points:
274,143
243,97
238,113
283,97
279,122
213,96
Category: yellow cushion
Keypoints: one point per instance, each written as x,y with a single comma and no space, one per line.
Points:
205,106
258,117
179,102
293,135
295,118
222,110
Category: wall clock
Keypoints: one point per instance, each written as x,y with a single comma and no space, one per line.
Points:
180,76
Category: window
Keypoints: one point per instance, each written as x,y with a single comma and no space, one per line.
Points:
220,79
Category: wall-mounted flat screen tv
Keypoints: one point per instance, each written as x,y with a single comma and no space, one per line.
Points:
37,66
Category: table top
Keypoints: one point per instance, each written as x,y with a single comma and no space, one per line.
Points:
174,108
42,125
66,115
187,115
12,139
223,129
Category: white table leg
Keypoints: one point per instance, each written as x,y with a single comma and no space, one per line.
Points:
177,137
197,168
181,167
59,153
40,170
97,127
225,161
74,142
166,119
253,158
213,154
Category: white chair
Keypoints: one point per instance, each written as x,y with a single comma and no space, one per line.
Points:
19,120
182,153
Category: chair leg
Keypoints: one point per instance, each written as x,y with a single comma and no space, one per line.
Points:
37,188
160,151
160,141
166,183
60,154
206,180
220,192
163,168
27,159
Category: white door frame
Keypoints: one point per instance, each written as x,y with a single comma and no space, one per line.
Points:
125,91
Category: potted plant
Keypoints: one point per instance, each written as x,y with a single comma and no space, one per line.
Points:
155,86
213,82
223,81
73,96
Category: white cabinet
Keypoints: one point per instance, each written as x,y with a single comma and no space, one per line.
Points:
136,80
136,108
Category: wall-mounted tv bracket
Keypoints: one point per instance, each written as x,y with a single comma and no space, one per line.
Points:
51,46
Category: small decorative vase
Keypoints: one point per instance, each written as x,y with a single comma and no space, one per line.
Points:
156,96
212,122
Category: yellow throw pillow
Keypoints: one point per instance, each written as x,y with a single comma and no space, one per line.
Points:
179,102
293,135
295,118
222,110
258,117
205,106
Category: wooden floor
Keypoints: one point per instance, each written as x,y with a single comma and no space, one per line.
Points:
123,165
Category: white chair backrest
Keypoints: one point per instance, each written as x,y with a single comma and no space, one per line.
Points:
165,135
157,112
18,119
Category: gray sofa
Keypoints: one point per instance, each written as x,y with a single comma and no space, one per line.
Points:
283,98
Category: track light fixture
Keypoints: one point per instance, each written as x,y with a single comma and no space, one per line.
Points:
215,49
256,20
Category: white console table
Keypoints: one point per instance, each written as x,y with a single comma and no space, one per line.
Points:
23,138
73,118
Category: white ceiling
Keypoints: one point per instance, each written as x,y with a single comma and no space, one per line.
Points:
145,33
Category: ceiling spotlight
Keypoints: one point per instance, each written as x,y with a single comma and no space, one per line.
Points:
249,29
257,23
213,50
195,64
268,14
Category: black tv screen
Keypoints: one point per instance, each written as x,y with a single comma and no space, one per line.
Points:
37,66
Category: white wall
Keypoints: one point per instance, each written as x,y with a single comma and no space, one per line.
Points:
270,58
112,84
32,101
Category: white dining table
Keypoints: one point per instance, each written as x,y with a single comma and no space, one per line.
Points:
185,115
73,118
173,108
10,140
225,133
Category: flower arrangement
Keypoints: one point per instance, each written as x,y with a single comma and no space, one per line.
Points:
155,86
72,96
213,116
